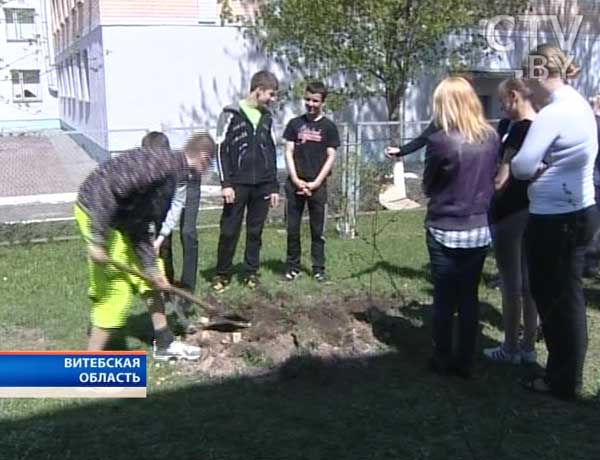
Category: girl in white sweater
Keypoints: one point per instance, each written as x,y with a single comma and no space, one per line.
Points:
558,155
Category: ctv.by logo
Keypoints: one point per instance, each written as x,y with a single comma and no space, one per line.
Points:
565,37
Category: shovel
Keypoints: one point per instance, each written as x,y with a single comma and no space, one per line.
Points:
216,316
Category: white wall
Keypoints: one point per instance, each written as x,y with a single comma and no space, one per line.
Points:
77,113
161,77
497,66
158,77
27,55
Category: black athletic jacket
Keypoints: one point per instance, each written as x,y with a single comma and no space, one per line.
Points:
245,155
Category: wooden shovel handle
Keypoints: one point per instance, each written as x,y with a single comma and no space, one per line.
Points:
171,289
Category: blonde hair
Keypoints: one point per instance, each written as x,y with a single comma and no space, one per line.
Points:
457,107
555,61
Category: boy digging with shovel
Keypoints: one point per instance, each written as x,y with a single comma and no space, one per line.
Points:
116,205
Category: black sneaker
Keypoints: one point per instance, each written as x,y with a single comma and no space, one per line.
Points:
291,275
321,277
251,281
220,283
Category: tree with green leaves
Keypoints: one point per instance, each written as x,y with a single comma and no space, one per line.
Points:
377,46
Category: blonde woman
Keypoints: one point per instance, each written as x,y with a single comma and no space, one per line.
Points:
558,156
460,165
508,217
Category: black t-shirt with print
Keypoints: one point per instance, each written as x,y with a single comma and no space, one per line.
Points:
513,197
311,140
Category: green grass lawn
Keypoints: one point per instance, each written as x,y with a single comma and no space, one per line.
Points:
386,406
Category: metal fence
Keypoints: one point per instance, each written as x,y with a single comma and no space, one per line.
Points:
42,171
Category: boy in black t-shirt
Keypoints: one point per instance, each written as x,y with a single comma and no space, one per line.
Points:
311,142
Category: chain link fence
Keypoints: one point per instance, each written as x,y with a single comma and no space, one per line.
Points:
42,171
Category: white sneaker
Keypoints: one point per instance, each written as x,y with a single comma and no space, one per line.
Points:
500,355
177,350
529,357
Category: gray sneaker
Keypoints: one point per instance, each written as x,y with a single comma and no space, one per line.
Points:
291,275
177,350
320,277
500,355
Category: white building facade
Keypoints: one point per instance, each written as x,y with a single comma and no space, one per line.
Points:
127,66
28,93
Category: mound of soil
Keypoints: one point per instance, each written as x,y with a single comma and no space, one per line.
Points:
331,329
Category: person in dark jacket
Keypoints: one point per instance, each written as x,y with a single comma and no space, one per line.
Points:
116,207
460,165
183,210
247,162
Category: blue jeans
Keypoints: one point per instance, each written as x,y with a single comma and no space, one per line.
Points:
455,274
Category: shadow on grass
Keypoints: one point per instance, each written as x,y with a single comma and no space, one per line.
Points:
277,267
209,273
592,296
376,407
408,328
395,270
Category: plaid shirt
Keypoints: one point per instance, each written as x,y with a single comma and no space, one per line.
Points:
464,239
129,192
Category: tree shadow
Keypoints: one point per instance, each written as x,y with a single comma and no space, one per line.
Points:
395,270
279,266
209,273
407,328
367,407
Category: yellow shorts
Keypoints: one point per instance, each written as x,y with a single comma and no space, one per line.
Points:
112,291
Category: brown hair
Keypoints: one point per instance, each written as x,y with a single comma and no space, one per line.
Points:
554,60
317,87
200,142
514,84
264,80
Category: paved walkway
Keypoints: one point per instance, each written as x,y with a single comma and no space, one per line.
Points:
39,176
38,165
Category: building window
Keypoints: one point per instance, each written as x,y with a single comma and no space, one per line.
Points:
26,85
70,79
86,76
207,11
80,20
20,24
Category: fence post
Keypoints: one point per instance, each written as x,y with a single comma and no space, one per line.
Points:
346,224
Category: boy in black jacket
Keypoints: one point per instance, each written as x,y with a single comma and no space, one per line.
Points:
247,163
310,145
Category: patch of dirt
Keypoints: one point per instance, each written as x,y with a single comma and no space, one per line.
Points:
331,330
